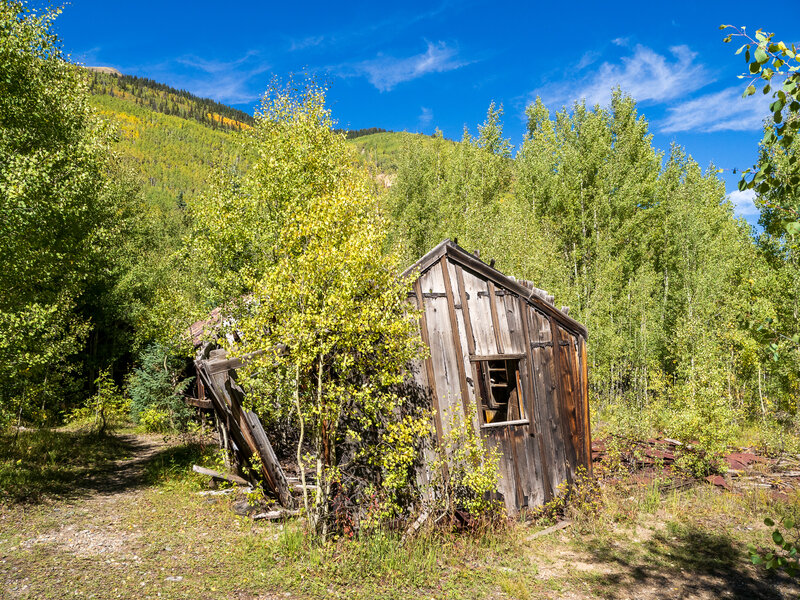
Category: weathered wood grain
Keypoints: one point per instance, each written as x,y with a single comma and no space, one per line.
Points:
461,364
473,315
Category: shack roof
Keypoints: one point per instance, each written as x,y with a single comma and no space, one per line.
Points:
533,296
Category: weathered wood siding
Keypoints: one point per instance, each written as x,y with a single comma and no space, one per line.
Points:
469,316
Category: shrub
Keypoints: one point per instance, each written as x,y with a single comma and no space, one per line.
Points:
156,390
707,423
107,408
464,473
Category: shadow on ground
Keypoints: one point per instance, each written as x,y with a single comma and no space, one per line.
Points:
686,562
54,464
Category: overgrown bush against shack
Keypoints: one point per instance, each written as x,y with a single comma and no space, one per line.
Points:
299,243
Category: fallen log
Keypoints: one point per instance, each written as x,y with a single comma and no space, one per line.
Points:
217,475
549,530
275,515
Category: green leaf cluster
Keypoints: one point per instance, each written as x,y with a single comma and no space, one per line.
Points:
785,557
63,205
294,249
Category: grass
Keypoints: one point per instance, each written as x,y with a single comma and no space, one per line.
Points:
159,538
45,463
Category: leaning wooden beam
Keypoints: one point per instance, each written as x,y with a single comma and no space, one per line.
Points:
199,402
244,426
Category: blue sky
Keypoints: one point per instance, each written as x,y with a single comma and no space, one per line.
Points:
420,65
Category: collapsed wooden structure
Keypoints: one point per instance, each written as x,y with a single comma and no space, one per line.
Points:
499,351
240,429
516,365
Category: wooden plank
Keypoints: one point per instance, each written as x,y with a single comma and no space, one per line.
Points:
269,461
571,377
536,474
465,310
217,475
480,314
481,358
537,483
563,398
506,486
517,459
215,366
587,438
199,402
551,441
423,330
549,490
461,316
549,530
514,340
462,376
530,395
506,423
443,354
498,338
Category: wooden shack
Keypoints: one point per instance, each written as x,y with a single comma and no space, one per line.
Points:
503,353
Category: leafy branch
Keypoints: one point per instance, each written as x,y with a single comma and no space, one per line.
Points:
769,62
785,557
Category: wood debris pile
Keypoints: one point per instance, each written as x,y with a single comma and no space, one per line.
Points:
655,459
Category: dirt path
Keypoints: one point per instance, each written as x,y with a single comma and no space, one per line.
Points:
94,525
127,475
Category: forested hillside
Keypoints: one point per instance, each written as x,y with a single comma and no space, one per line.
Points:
172,141
680,298
645,250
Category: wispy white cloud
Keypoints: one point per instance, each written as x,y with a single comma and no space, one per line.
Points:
234,81
590,57
744,203
389,27
425,117
89,58
645,74
719,111
385,72
311,41
215,65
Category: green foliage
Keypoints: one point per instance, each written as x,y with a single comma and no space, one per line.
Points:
787,541
63,206
465,473
776,176
107,409
156,390
708,422
296,249
450,190
778,181
384,149
397,458
580,500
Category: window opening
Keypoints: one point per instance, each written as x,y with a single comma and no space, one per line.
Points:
501,398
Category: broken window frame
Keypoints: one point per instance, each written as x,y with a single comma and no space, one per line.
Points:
482,368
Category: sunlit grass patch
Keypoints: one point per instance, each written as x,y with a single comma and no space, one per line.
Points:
47,463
